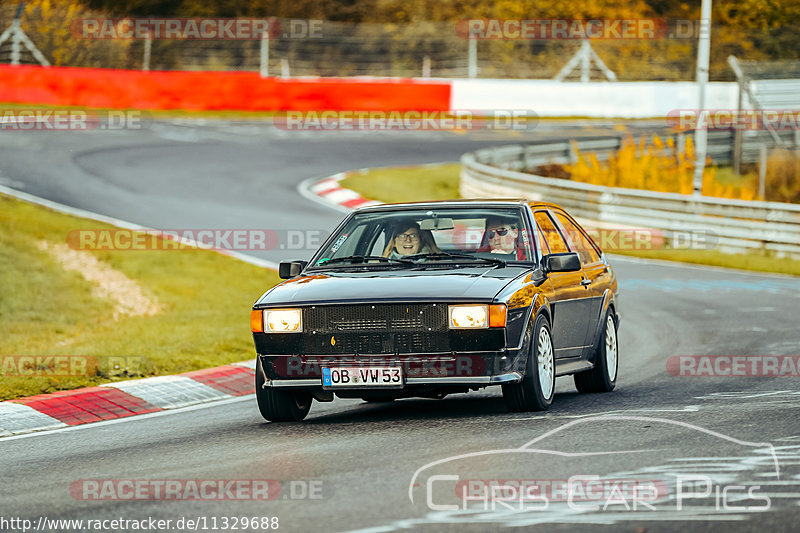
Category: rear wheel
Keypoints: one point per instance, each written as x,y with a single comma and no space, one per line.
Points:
535,391
281,406
603,377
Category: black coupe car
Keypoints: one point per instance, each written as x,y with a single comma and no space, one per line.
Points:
429,299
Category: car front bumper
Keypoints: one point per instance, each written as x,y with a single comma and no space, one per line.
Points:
461,369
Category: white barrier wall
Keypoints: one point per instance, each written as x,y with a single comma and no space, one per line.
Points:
549,98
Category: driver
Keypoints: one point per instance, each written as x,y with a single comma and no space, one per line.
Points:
407,239
501,235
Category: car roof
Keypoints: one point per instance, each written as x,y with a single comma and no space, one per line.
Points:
467,202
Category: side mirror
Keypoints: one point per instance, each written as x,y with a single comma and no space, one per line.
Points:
291,269
562,262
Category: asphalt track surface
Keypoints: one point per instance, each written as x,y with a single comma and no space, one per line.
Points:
357,466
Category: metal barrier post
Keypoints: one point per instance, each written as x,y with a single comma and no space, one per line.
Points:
148,46
472,58
737,141
762,172
264,56
701,134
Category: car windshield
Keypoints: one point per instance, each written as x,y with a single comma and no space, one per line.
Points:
407,237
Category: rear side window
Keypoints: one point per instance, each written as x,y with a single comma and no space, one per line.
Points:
578,242
555,242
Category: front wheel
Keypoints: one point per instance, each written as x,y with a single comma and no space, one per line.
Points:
281,406
535,391
603,377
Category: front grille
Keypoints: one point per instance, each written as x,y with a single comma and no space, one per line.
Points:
383,318
376,329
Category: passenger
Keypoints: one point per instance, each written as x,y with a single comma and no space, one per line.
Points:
502,237
407,239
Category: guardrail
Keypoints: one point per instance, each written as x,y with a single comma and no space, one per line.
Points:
730,225
720,149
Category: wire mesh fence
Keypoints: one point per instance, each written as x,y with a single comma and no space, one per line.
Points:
423,49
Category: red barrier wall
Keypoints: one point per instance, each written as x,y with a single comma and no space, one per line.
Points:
107,88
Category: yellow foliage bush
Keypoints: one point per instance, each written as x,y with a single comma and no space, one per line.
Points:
657,165
54,27
782,183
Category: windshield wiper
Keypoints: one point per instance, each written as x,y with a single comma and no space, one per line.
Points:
361,259
447,255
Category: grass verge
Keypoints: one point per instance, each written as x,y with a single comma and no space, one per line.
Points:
157,114
440,182
204,300
407,184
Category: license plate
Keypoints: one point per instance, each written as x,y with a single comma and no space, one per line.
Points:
362,377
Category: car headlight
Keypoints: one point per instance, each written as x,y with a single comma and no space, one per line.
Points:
477,316
469,316
283,320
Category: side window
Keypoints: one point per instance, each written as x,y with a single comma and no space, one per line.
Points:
578,242
555,242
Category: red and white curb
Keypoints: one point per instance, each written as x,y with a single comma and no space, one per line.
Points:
330,192
125,398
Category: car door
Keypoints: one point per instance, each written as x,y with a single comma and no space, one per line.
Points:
572,300
595,270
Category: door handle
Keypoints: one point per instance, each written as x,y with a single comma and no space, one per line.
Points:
586,282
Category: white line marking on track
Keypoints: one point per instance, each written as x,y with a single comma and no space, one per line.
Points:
687,409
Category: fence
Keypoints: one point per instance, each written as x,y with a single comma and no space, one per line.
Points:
766,85
422,49
736,225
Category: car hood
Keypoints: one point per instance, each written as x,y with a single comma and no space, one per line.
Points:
463,284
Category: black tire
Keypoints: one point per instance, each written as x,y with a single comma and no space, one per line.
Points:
601,378
528,394
281,406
